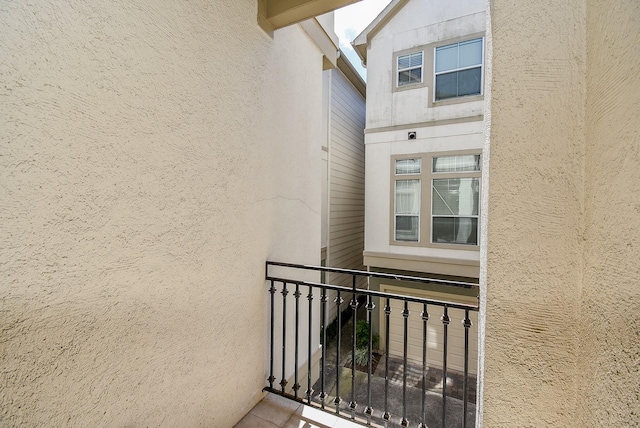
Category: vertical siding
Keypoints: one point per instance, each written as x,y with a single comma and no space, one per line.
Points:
346,181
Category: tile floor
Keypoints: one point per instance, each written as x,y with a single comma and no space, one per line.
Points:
278,412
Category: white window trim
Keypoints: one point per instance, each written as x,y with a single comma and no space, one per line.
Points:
434,100
398,69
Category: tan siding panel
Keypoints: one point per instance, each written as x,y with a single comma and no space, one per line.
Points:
346,169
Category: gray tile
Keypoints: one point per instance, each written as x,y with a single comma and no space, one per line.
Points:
253,421
309,417
275,409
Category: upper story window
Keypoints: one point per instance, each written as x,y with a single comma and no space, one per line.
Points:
410,68
458,69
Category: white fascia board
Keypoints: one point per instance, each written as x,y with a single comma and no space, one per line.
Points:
361,41
325,42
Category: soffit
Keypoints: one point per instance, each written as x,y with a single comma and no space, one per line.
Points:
274,14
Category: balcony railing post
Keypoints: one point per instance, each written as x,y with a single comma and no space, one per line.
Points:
445,324
309,392
323,367
425,319
337,399
368,411
467,324
296,384
283,382
387,313
272,291
405,315
354,308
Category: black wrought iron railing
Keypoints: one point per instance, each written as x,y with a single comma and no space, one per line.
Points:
397,384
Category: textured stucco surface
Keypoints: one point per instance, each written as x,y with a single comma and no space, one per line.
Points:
609,324
535,213
562,336
152,156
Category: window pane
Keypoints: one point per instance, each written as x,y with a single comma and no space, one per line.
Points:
406,228
416,75
446,86
447,58
469,81
455,196
411,60
470,53
455,230
407,197
404,61
408,166
416,59
407,77
404,78
457,163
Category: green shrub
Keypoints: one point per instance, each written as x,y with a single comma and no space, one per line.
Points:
362,336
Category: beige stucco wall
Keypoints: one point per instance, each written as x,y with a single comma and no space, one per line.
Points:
609,326
534,260
562,344
152,156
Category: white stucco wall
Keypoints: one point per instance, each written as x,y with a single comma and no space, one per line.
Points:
416,24
380,146
452,125
152,156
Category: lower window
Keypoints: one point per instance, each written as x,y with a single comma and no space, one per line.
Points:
407,210
445,210
454,210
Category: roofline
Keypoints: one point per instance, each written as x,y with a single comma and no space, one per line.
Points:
361,42
352,74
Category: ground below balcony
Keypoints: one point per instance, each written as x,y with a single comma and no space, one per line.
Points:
433,394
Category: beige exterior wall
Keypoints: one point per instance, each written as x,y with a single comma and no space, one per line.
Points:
561,288
609,381
152,156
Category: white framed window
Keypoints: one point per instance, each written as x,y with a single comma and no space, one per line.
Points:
438,204
406,224
455,197
458,69
410,69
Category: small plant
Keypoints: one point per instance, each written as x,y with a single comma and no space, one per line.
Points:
362,344
362,336
362,357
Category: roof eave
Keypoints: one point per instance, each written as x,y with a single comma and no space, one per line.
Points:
362,40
